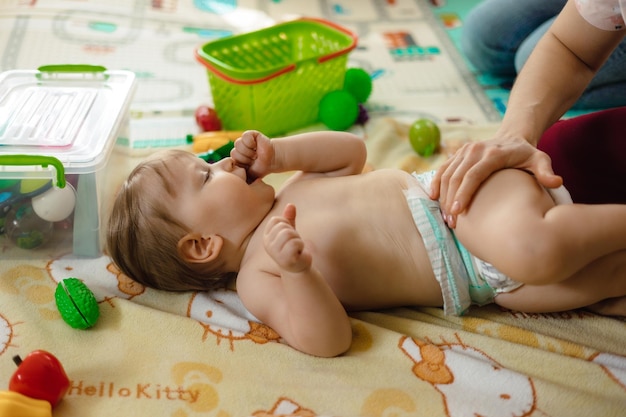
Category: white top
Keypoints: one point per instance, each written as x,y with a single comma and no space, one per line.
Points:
603,14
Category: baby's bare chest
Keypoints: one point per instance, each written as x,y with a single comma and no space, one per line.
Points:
342,209
352,227
362,239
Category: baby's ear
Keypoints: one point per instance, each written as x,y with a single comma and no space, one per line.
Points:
195,248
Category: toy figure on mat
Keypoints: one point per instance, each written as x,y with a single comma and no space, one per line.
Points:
587,152
333,239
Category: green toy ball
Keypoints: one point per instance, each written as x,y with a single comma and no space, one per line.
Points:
338,110
425,137
358,83
76,303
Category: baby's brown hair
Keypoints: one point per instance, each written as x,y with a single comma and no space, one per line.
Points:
143,234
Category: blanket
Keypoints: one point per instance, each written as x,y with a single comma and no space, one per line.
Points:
154,353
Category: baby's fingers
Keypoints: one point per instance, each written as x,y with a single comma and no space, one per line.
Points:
242,153
246,147
289,213
284,244
279,235
294,257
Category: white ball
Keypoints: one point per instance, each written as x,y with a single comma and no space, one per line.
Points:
56,204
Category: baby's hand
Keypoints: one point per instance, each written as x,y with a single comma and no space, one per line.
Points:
284,244
255,152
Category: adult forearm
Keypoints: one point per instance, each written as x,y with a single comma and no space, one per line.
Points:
556,73
548,85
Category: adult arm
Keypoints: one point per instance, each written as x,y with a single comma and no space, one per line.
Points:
555,75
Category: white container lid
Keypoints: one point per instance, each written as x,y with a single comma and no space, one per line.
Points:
69,112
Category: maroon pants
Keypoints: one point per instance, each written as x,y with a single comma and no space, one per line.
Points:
589,152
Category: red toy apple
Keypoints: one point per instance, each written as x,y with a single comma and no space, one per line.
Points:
40,375
207,119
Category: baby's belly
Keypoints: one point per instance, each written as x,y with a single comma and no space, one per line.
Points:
364,240
393,270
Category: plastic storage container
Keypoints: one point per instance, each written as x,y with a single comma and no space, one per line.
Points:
273,79
58,126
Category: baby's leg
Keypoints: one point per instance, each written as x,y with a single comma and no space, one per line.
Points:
601,285
610,307
514,224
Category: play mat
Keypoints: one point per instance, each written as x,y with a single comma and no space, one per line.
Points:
154,353
415,66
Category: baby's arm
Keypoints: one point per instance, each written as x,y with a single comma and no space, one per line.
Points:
298,304
325,152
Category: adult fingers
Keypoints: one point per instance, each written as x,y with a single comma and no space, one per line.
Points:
458,173
541,167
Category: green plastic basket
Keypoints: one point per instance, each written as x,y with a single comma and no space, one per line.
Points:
273,80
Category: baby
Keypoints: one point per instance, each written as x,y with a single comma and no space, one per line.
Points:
334,239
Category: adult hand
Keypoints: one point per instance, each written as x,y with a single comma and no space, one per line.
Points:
458,179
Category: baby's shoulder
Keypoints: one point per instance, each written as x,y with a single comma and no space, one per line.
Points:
257,278
255,261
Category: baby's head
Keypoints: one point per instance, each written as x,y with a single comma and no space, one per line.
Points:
143,232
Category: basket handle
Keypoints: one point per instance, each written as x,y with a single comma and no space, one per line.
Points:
232,80
340,29
42,160
287,68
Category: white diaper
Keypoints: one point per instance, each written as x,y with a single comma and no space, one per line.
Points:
464,278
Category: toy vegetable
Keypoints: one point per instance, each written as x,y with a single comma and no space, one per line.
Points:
37,386
40,375
76,303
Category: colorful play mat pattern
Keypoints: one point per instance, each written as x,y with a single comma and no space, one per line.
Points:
408,47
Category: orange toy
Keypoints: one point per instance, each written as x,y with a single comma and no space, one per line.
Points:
208,141
15,404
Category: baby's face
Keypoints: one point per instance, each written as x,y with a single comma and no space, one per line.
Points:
216,199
